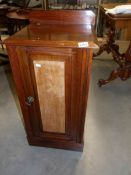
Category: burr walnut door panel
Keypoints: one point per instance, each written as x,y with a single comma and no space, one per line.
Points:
50,82
47,82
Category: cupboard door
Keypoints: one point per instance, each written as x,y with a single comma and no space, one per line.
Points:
47,79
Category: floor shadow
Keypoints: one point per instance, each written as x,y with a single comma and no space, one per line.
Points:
11,83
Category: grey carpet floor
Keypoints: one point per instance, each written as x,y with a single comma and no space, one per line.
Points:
107,149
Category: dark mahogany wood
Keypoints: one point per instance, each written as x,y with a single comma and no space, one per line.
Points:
114,22
62,17
59,42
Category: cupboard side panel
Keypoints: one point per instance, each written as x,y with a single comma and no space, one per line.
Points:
84,91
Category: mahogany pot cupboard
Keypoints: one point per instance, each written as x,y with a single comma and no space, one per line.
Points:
51,63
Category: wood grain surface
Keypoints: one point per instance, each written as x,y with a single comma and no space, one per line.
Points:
49,65
51,90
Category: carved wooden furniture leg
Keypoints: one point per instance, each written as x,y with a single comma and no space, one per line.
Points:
114,74
110,44
124,71
124,60
102,48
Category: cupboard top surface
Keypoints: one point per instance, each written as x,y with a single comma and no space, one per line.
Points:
50,29
55,35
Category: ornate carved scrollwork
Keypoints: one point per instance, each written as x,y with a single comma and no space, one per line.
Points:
124,60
